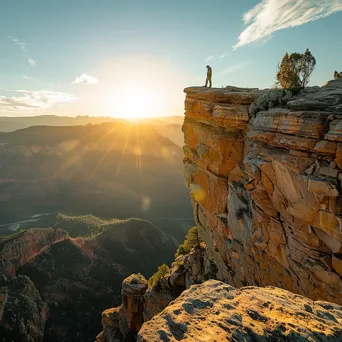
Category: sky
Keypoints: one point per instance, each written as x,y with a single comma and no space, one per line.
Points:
133,58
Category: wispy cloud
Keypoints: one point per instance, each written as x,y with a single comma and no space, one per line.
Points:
85,79
222,57
32,62
28,77
209,58
234,67
21,44
28,99
270,16
23,47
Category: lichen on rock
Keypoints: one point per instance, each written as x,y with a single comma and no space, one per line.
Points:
215,311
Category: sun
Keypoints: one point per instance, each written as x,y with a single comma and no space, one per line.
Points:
139,87
136,102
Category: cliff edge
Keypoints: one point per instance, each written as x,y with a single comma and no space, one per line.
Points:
265,171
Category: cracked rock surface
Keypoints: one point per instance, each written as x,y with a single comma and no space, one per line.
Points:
215,311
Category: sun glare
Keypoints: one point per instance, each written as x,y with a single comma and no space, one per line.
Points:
136,102
141,88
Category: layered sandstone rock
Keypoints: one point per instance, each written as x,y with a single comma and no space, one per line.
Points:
23,247
265,181
214,311
125,321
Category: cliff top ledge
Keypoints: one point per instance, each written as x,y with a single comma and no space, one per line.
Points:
325,98
228,94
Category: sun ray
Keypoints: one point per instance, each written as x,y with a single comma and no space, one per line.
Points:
91,174
123,150
73,159
79,155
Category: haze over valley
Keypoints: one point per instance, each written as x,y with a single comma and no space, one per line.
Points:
170,171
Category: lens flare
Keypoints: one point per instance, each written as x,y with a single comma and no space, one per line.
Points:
146,203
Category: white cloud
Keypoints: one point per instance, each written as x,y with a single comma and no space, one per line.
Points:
209,58
32,62
270,16
21,44
28,77
234,67
85,79
222,57
29,99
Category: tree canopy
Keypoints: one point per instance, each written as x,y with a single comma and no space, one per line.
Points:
295,69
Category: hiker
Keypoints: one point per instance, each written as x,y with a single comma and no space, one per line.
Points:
209,74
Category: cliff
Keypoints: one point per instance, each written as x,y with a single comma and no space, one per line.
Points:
22,311
19,249
265,171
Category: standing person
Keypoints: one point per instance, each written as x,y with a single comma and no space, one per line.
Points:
209,74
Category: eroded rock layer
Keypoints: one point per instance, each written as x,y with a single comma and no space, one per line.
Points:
214,311
23,247
265,171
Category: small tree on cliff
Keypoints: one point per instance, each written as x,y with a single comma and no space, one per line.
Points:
295,70
163,270
192,240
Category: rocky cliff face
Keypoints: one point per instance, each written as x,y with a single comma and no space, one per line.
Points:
265,171
214,311
19,249
22,311
140,304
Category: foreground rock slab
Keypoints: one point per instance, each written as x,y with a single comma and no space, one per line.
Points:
215,311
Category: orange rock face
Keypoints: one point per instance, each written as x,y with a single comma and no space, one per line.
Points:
266,186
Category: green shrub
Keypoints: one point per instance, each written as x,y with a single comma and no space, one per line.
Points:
192,240
163,271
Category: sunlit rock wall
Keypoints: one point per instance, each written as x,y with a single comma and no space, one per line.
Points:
264,171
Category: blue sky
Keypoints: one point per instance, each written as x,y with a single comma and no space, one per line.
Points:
127,57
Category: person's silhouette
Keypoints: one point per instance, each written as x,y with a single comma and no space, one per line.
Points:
209,74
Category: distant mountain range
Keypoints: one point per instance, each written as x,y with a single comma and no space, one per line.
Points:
167,126
111,169
9,124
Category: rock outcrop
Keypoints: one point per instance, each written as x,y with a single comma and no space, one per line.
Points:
140,304
22,311
214,311
265,172
23,247
193,268
124,321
